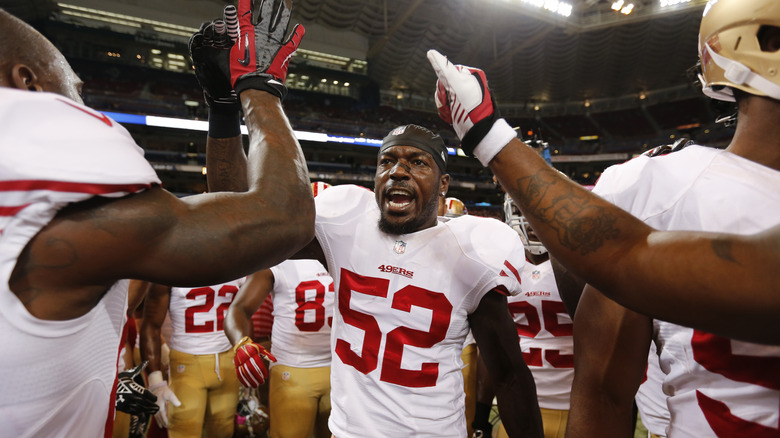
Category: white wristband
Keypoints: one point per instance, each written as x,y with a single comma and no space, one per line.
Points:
155,377
500,135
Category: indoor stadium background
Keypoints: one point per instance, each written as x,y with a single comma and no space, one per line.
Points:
594,81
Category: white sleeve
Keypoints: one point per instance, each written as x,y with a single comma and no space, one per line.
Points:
496,253
49,137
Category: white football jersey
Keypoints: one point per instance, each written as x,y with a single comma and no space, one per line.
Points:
197,316
545,330
400,318
58,377
303,313
650,398
715,386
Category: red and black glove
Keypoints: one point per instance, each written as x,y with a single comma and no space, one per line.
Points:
249,364
261,56
464,101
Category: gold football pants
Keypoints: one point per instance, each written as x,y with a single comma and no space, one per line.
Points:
299,399
208,398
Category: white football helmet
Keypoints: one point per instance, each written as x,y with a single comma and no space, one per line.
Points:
515,219
454,207
730,51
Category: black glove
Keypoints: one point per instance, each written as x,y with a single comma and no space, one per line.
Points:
132,397
260,58
482,426
484,431
210,53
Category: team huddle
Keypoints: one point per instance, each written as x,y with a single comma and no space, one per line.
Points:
395,312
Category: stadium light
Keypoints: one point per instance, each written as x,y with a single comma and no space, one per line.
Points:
557,6
666,3
622,7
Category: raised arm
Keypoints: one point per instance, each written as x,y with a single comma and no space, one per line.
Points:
513,382
682,277
203,239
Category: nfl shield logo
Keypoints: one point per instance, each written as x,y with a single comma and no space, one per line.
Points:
180,369
399,247
535,275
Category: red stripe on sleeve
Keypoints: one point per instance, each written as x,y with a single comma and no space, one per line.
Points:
513,270
10,211
74,187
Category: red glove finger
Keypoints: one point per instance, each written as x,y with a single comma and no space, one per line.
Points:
278,67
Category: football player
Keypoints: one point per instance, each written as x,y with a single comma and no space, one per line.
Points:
81,210
545,330
716,386
202,388
409,287
299,392
595,239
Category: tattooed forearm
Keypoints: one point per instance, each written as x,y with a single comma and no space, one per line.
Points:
579,224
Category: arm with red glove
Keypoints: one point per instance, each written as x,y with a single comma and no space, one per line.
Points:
249,356
597,240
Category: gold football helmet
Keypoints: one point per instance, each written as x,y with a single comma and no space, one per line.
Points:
730,51
454,207
318,186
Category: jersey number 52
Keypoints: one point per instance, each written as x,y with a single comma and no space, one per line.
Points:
396,339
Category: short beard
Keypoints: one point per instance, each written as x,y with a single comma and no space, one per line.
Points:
412,225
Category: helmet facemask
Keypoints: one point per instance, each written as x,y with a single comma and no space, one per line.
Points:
515,219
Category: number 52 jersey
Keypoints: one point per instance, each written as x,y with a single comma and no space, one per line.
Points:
400,318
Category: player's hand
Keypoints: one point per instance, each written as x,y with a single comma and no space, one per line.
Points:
260,58
164,395
464,101
132,397
210,53
249,357
482,430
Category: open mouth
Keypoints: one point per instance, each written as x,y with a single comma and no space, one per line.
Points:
398,199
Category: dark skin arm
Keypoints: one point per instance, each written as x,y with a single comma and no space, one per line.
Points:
155,309
136,292
610,345
570,286
499,347
226,164
622,256
205,239
238,319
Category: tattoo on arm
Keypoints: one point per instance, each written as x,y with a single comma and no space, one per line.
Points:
580,225
722,249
